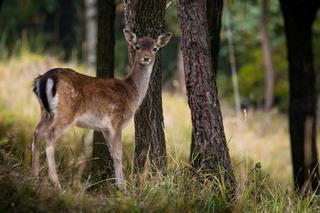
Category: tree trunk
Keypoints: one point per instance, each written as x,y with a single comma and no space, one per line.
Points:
148,18
102,165
209,151
267,57
299,17
214,15
91,33
66,27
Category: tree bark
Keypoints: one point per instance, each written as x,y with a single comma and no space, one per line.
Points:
66,27
102,165
267,57
214,15
299,17
209,151
147,18
91,33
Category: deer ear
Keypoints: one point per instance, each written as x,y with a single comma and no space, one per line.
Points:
130,37
163,39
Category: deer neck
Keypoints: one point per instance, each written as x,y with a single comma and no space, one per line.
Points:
139,77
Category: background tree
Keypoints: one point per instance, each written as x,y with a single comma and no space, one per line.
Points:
102,163
245,19
299,17
267,56
232,62
66,30
209,151
1,1
91,33
148,18
180,73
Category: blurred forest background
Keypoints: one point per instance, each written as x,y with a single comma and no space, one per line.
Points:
35,35
44,28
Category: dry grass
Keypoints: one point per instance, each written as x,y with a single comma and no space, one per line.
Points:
266,190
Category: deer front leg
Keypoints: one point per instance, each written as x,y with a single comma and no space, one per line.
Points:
117,159
113,140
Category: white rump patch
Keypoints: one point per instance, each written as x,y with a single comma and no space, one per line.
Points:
53,101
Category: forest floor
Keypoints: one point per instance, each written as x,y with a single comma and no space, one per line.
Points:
259,189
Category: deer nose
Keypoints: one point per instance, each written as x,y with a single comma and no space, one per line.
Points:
146,59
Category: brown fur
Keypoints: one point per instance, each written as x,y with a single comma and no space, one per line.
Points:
83,94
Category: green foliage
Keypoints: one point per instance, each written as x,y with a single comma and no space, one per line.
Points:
121,56
37,23
172,20
251,77
250,64
34,26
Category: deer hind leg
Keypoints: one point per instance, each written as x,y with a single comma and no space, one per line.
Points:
53,132
38,134
113,140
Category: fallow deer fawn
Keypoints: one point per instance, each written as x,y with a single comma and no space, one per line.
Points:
67,97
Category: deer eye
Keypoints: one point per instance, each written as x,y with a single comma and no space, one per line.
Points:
137,48
155,49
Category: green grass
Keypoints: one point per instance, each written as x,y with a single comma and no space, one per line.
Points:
266,189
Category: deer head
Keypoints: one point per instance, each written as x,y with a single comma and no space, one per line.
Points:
146,47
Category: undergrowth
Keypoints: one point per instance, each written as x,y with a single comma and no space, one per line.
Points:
178,191
261,160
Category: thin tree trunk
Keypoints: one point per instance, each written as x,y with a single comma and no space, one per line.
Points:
233,64
318,113
1,1
267,57
66,27
180,73
214,16
106,40
209,151
102,166
299,17
148,18
91,33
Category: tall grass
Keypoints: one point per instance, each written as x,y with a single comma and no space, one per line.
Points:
266,189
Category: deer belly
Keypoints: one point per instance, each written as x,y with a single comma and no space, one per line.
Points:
92,121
